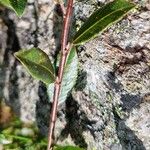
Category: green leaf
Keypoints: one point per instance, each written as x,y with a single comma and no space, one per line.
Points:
101,19
38,64
69,77
5,3
17,5
67,148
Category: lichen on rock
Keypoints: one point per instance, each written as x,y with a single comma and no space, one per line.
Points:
109,105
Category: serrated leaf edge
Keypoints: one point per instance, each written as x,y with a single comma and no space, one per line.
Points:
74,81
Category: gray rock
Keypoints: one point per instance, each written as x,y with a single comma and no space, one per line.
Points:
109,106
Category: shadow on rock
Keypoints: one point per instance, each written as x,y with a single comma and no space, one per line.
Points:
76,123
43,106
10,86
81,81
113,82
57,30
127,137
130,101
43,109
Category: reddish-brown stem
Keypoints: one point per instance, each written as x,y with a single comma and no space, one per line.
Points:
65,47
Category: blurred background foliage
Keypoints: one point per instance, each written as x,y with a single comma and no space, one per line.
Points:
16,135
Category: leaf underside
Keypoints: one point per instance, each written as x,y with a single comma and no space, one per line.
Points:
102,19
38,64
69,77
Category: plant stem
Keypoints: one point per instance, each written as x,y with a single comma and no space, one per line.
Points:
65,48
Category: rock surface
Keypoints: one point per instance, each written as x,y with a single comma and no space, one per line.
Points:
110,104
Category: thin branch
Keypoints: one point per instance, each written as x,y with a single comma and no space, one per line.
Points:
65,47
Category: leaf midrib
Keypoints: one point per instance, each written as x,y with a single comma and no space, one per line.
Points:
39,65
101,20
